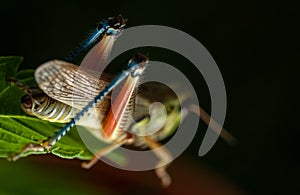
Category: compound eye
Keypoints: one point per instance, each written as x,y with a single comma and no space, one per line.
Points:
117,22
26,101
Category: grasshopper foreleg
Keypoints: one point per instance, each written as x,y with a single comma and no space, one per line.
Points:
105,151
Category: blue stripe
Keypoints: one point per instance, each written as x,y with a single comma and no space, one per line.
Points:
98,33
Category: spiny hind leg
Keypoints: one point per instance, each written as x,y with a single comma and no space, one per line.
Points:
165,157
105,151
43,146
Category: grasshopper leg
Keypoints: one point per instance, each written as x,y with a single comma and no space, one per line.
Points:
105,151
205,117
165,157
44,146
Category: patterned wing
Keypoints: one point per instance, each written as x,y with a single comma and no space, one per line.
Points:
67,83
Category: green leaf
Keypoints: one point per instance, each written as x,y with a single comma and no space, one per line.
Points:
8,68
10,64
18,129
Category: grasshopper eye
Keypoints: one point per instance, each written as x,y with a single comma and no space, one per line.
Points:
116,25
117,22
26,102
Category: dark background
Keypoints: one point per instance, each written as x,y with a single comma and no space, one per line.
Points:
253,43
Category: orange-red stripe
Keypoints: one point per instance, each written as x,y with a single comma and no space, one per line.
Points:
118,108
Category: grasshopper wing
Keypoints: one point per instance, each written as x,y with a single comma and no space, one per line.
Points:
66,83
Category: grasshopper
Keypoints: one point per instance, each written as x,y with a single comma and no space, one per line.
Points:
70,95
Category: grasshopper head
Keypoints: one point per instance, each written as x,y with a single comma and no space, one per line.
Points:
31,102
27,104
